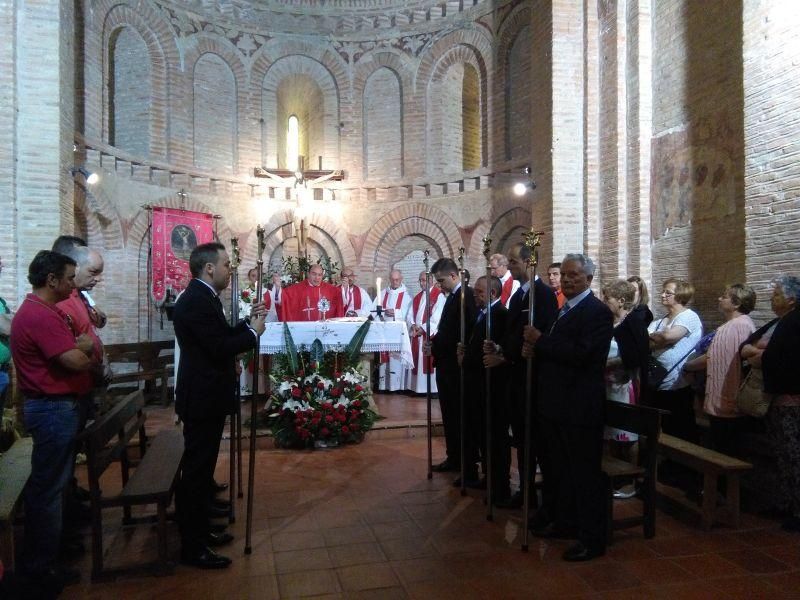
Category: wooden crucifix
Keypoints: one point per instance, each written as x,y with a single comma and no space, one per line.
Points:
307,176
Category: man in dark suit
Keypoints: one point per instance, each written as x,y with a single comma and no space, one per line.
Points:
510,353
487,293
571,359
443,347
205,394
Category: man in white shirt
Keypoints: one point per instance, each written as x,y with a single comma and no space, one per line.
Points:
417,319
396,304
355,299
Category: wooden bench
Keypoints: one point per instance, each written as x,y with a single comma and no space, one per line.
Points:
646,422
712,465
153,479
154,360
15,469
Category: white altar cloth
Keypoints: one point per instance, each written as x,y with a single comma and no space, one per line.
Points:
383,336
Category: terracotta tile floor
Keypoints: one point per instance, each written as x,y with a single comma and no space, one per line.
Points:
364,522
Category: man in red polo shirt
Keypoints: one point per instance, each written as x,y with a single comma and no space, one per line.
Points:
52,363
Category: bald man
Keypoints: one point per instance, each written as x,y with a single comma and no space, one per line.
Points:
302,301
395,301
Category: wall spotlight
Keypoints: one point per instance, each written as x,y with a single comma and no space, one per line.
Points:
90,177
521,187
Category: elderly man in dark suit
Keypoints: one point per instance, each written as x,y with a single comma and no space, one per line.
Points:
205,394
443,347
571,360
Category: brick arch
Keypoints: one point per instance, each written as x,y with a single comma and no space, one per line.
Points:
475,39
102,218
507,228
198,46
293,65
400,67
118,17
412,219
517,20
277,48
323,232
460,54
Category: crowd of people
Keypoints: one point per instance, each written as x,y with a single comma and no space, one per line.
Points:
582,349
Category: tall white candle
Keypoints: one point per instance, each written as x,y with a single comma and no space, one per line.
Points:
378,285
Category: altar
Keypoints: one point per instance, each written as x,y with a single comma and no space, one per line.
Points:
335,334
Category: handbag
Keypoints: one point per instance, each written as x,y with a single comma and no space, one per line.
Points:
656,373
751,399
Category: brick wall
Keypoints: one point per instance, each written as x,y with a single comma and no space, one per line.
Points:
214,114
130,93
772,144
697,167
383,119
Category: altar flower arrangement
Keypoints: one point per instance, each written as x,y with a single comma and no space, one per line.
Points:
319,398
245,301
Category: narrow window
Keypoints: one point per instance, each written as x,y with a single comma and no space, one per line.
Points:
292,143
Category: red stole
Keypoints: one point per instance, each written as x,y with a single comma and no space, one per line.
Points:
427,366
506,293
352,298
397,306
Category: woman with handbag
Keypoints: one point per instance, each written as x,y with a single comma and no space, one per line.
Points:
723,367
672,339
777,352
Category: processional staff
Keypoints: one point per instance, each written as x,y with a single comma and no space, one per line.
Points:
532,241
251,466
427,359
487,243
235,436
462,337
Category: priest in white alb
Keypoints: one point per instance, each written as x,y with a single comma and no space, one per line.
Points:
499,265
395,301
356,302
419,316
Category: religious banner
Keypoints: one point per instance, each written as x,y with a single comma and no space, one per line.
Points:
175,233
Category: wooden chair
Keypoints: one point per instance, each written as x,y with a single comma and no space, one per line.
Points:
646,422
154,363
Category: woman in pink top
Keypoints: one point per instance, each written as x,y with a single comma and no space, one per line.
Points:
723,366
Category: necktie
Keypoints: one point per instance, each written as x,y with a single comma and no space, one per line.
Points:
564,310
481,316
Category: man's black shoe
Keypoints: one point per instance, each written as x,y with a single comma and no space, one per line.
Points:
512,502
445,466
223,504
218,513
219,487
552,531
581,553
205,559
215,540
217,527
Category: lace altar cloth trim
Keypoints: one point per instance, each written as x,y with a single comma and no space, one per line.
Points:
383,336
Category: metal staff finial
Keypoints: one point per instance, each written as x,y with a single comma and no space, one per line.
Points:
235,259
487,246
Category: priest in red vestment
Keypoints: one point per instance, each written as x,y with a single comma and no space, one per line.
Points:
301,301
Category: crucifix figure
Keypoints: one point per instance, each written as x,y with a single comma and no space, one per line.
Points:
291,179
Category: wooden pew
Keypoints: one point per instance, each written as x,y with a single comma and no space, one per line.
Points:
712,465
153,479
154,361
15,469
646,422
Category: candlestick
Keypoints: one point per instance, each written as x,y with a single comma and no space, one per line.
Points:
378,284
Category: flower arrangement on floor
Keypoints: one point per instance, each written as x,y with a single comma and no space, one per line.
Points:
319,398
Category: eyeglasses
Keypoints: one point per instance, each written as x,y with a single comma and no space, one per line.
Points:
666,293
